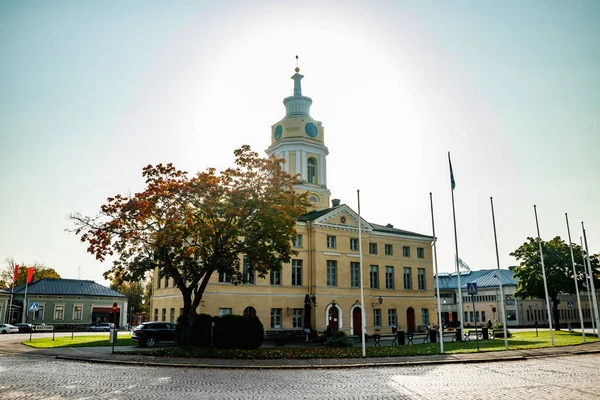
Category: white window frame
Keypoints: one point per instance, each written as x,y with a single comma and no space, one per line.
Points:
377,317
62,306
388,249
297,265
354,244
331,242
276,318
81,316
297,318
41,309
297,243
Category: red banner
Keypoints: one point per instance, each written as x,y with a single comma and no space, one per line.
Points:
16,273
29,274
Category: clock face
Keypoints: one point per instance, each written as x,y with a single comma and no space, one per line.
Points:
277,133
311,129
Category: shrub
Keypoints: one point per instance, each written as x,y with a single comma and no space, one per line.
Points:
237,332
338,339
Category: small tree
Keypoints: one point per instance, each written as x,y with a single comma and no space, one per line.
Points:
190,228
559,271
40,272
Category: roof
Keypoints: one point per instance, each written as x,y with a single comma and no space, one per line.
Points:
483,278
313,215
78,287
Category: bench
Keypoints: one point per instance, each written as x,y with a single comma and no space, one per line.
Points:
497,333
422,336
449,335
377,338
471,333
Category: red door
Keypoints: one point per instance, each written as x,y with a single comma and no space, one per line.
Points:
356,321
333,319
410,319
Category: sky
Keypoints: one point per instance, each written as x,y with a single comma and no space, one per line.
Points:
91,92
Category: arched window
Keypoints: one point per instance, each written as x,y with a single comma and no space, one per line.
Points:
249,312
312,170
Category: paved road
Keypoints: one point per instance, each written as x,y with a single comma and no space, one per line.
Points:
23,376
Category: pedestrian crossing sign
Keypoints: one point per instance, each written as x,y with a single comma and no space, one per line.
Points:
570,304
472,288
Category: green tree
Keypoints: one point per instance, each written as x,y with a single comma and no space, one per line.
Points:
559,271
135,292
190,228
40,271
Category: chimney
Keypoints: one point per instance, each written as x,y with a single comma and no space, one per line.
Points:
335,202
389,226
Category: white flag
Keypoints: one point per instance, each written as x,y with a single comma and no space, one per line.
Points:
463,264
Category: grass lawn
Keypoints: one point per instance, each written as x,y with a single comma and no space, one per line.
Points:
101,339
519,340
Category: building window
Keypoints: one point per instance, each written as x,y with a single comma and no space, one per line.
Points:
297,241
511,315
312,170
224,311
406,251
164,315
389,250
297,317
353,244
392,317
296,272
156,314
421,278
374,276
249,275
424,316
377,317
59,312
372,248
158,280
275,277
77,313
331,242
483,316
331,273
389,277
172,319
224,278
166,281
407,278
39,314
354,274
249,312
420,252
275,318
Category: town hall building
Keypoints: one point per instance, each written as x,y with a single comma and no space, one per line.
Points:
320,287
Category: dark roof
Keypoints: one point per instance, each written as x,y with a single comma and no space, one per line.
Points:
391,229
311,216
484,279
49,286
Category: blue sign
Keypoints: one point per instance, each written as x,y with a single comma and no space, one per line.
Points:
472,288
33,307
570,304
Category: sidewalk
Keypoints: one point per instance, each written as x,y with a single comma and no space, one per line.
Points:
104,355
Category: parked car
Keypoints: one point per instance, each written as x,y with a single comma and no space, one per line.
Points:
24,327
8,328
151,333
102,327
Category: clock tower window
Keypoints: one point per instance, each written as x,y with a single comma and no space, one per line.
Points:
312,170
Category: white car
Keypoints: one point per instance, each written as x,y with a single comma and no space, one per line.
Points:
101,327
8,328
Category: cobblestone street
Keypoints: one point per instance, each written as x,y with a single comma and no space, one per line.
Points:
572,377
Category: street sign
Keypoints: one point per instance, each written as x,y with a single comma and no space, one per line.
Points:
570,304
530,307
472,288
34,307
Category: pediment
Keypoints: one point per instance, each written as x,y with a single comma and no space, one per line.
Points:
343,217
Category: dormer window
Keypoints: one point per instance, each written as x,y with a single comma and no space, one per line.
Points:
312,170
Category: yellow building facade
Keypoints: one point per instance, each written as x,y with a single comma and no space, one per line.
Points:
322,285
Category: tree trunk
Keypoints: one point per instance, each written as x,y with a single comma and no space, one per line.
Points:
187,322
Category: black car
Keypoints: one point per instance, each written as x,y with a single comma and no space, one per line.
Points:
24,327
151,333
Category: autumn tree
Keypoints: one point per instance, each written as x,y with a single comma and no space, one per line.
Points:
187,229
559,271
40,271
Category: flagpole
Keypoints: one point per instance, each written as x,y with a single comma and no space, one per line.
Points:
589,264
587,284
575,279
362,291
25,302
437,279
460,302
544,275
499,278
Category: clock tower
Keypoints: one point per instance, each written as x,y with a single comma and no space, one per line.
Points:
299,140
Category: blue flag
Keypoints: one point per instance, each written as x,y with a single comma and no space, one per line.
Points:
451,173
